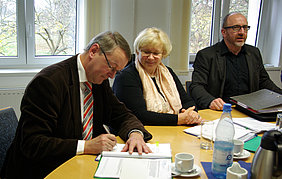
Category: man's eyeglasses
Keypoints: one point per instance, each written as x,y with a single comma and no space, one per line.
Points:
109,65
237,28
148,53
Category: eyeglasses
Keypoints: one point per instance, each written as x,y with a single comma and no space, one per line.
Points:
237,28
109,65
148,53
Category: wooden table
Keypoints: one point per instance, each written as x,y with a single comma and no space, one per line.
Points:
84,166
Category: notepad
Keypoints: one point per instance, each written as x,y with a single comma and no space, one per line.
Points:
155,165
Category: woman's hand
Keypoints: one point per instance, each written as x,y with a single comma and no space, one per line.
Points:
189,116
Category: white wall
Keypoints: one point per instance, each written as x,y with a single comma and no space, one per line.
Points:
129,17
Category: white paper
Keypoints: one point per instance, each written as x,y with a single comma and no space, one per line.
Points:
115,167
146,169
162,150
117,164
240,131
254,124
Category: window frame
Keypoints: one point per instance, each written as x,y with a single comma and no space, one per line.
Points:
215,26
20,19
220,9
26,39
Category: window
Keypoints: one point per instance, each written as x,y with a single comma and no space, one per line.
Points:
206,21
54,27
8,30
37,32
200,25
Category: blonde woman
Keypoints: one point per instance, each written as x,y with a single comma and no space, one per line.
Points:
150,89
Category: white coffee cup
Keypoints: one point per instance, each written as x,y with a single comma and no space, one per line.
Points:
184,162
236,172
238,147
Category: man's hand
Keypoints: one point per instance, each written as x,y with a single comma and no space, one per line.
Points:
104,142
217,104
136,141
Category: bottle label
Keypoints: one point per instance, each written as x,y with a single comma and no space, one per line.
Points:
222,156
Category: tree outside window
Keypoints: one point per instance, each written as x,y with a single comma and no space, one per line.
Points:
201,21
55,24
8,28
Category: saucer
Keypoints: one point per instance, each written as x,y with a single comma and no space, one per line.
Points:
245,154
185,174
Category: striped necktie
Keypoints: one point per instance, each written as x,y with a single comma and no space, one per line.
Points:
87,112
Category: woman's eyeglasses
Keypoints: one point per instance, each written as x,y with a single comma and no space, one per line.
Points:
148,53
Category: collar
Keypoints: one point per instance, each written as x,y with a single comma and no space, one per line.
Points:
225,50
81,71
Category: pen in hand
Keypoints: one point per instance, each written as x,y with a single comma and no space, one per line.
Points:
107,129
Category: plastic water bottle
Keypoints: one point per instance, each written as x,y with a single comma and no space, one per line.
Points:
223,145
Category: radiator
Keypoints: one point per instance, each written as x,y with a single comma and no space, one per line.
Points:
11,97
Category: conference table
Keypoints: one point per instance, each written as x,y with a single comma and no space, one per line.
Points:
84,166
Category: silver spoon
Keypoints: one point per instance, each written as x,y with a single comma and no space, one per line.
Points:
181,173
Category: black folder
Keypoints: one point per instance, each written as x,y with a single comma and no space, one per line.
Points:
263,104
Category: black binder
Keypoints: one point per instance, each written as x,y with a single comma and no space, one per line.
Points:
263,104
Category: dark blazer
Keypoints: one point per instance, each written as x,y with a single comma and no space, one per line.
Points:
209,74
50,123
129,89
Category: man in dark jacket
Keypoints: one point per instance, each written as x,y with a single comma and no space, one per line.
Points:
51,126
228,68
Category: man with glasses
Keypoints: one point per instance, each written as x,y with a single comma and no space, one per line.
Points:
65,107
228,68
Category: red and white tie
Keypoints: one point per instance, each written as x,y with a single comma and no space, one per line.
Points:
87,112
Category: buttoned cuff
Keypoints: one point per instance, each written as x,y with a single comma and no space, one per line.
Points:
136,130
80,147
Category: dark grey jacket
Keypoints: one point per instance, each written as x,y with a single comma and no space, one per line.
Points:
209,74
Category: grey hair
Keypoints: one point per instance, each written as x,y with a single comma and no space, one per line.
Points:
224,21
108,41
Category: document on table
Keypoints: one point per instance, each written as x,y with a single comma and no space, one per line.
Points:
162,150
128,168
245,128
239,131
117,164
253,124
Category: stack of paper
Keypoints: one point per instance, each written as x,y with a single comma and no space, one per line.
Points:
245,128
253,124
158,151
117,164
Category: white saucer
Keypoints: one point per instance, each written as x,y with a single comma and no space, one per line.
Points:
245,154
186,174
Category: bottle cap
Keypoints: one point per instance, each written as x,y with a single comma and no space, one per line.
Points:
227,107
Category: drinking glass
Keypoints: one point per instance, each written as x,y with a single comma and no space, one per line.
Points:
279,122
207,130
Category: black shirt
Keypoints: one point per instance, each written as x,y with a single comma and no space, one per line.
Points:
237,74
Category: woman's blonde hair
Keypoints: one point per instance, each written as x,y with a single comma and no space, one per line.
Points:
153,37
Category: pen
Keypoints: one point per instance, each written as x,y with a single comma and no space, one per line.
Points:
108,131
107,128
